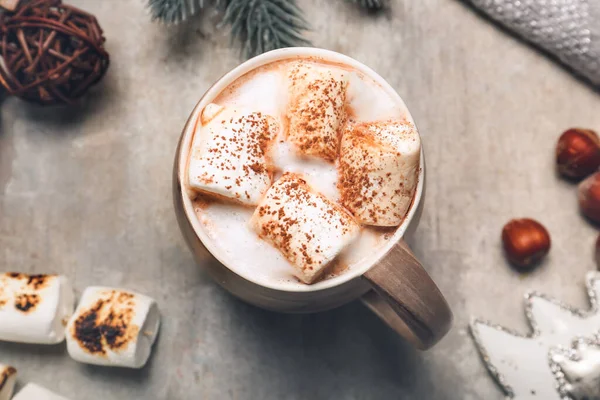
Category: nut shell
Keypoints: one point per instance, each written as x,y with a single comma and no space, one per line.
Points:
578,153
525,242
588,194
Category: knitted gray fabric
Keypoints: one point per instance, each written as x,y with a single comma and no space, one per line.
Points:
568,29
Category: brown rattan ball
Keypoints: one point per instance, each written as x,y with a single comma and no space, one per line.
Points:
50,53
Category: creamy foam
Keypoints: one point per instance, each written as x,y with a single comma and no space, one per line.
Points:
227,225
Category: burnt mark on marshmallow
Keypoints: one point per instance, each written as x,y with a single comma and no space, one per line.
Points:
107,324
22,290
27,302
38,282
3,298
5,374
32,282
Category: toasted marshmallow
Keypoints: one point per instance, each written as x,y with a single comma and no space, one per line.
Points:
35,392
306,227
8,377
316,110
379,170
34,308
229,156
113,327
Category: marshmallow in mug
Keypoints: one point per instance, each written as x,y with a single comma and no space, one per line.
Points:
35,392
113,327
229,156
8,377
305,226
34,308
316,110
379,171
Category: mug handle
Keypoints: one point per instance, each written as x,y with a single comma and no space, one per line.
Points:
406,298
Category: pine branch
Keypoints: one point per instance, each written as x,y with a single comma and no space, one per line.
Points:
174,11
263,25
369,4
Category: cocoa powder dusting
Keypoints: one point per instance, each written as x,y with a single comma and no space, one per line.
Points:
317,112
357,184
239,154
278,229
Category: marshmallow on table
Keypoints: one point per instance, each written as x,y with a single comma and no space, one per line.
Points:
306,227
34,308
379,170
8,377
316,110
230,154
113,327
35,392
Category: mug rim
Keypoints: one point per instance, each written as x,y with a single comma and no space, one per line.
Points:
221,84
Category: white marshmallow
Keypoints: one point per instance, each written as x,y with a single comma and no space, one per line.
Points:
316,110
306,227
8,377
230,154
34,308
210,112
113,327
379,171
35,392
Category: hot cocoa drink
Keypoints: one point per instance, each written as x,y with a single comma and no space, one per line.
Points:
301,170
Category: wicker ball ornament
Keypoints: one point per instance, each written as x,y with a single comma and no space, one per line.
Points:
51,53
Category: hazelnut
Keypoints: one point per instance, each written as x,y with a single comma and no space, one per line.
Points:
578,153
588,194
525,242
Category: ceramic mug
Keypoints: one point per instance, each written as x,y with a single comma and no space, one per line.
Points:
395,286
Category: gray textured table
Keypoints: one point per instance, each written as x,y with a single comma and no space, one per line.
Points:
86,192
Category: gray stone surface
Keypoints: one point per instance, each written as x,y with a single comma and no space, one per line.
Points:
86,192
